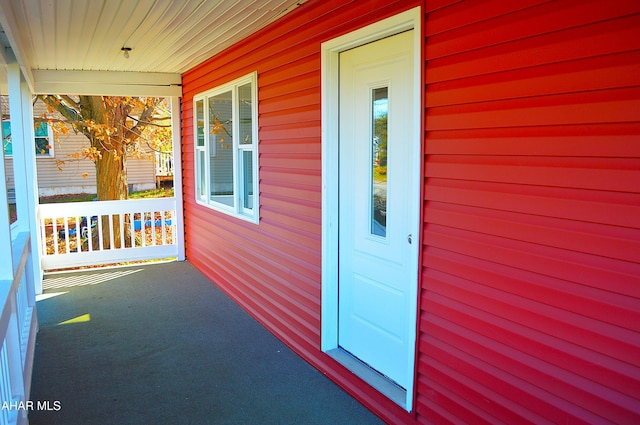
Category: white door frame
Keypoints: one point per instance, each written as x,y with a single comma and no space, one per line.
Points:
330,50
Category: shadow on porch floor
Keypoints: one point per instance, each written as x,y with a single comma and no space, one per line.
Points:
160,344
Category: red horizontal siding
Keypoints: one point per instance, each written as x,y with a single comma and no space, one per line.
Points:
611,106
544,348
302,114
576,204
620,141
599,39
546,172
599,73
586,238
530,299
489,28
467,14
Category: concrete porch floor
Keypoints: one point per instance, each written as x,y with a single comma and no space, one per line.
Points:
161,344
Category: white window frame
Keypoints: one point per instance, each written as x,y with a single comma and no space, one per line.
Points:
202,195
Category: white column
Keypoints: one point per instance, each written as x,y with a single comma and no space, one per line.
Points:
176,111
24,166
18,138
6,269
34,269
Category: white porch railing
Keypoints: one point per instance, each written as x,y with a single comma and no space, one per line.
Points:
18,327
164,164
103,232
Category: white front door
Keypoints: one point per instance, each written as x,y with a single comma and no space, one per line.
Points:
377,225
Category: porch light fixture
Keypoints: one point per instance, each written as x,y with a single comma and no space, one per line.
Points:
126,51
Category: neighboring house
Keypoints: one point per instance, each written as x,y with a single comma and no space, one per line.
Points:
504,285
76,176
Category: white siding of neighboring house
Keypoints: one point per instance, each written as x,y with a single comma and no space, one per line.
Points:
51,181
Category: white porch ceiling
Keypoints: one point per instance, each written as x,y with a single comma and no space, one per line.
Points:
166,37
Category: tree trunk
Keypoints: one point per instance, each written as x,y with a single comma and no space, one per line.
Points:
111,177
111,182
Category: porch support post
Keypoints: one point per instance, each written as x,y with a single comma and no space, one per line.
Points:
176,113
24,168
6,253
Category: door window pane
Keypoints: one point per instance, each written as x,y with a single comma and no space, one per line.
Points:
380,109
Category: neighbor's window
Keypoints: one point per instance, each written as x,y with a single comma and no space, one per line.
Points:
43,136
226,144
6,138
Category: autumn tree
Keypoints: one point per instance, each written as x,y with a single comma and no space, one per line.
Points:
116,128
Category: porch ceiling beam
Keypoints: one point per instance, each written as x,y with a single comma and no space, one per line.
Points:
6,53
107,83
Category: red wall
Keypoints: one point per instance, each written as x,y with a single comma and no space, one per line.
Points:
530,279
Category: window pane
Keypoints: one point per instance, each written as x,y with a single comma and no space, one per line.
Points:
42,146
201,162
221,148
42,139
6,138
200,122
41,129
202,182
247,179
244,113
379,166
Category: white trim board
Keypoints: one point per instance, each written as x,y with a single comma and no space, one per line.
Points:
107,83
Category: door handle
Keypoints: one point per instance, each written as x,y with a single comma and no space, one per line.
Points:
409,239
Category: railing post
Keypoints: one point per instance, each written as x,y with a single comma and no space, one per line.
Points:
14,351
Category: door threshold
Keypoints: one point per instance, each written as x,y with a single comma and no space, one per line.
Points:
386,386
